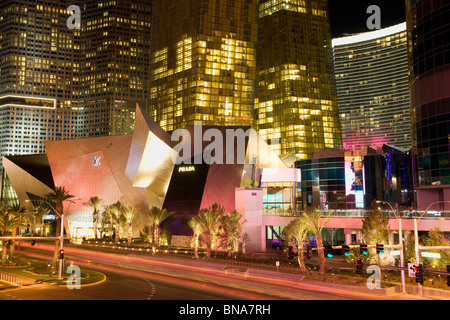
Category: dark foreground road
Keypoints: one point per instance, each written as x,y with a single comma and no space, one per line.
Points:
134,277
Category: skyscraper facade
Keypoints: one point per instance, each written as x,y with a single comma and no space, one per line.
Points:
429,67
39,75
371,70
60,82
114,65
296,108
203,62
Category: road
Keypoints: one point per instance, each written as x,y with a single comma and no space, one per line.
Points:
139,277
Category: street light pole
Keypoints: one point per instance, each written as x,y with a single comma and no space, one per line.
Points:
400,232
416,237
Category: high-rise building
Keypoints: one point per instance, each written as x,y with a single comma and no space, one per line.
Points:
114,65
371,70
296,107
39,75
429,67
203,62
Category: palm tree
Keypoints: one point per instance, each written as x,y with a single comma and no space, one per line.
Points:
36,218
297,231
315,222
105,222
197,228
95,203
10,219
115,212
231,225
21,212
58,196
156,216
130,213
209,218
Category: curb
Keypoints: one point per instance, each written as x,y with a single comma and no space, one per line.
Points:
88,284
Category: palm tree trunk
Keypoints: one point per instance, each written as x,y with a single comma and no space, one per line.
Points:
94,223
117,233
157,240
59,209
5,244
154,236
208,245
196,246
215,246
301,259
320,253
12,247
130,234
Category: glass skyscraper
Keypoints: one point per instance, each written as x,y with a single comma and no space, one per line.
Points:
429,67
114,65
60,83
39,75
371,72
296,108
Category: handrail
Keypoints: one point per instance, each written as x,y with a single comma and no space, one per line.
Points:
360,213
11,279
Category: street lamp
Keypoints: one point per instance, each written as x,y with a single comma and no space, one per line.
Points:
402,272
416,236
61,237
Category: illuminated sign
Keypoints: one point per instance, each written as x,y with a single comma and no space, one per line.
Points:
430,255
27,101
359,197
186,169
96,161
350,178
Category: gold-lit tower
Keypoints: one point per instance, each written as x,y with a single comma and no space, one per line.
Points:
296,107
203,62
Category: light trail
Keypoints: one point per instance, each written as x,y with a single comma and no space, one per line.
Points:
203,277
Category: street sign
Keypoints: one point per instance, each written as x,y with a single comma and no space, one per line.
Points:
412,270
430,255
395,252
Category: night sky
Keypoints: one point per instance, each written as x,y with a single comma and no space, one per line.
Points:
349,16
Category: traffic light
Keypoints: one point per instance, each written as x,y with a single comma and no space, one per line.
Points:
448,276
359,267
61,254
308,252
380,248
33,242
419,274
346,250
291,252
363,248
